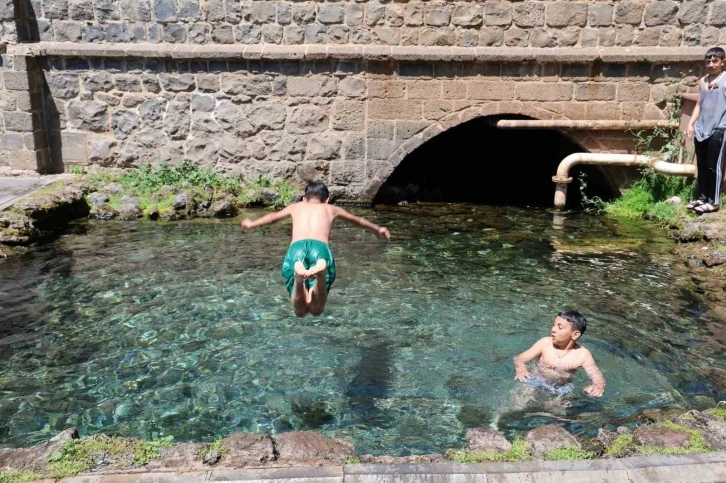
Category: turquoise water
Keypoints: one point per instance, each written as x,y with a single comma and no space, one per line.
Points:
185,329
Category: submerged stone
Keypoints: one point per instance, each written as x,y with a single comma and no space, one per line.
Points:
311,446
550,437
486,440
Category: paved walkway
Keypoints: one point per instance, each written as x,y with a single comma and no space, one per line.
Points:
13,189
701,468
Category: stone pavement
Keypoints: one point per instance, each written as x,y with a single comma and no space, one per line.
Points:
13,189
700,468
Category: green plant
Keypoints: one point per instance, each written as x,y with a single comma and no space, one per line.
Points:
569,453
620,445
352,461
74,169
9,475
286,192
719,411
150,178
76,456
518,452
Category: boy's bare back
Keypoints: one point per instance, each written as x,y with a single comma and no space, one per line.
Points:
312,220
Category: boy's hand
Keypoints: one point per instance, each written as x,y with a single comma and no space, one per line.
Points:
383,232
690,131
595,391
522,375
247,224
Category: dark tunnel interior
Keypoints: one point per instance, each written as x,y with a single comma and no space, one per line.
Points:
476,162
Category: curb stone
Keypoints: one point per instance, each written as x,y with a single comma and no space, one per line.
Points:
696,468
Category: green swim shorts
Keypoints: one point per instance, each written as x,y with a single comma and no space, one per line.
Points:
308,252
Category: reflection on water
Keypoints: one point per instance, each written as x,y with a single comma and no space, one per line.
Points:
185,329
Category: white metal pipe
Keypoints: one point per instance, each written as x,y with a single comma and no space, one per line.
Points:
598,125
562,178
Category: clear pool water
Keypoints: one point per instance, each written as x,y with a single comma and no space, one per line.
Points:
185,329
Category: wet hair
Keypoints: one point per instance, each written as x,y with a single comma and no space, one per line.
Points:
576,320
716,52
316,190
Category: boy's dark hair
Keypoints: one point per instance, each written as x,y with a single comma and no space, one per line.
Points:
316,190
576,319
716,52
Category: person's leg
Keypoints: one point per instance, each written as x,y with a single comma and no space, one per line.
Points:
319,292
710,171
299,296
720,164
701,150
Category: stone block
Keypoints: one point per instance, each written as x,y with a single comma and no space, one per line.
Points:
293,34
352,87
337,34
88,116
380,129
8,100
595,91
467,16
648,37
413,14
348,115
323,147
314,34
380,149
600,15
408,129
490,91
542,37
529,14
491,37
624,36
660,13
27,160
259,12
386,35
354,14
670,36
437,109
547,92
375,14
74,147
629,12
602,110
303,13
695,11
128,83
424,89
165,11
497,13
564,14
717,16
311,86
18,121
248,34
454,90
344,173
16,81
516,37
394,109
177,82
63,86
394,15
388,89
692,36
173,33
307,119
331,13
438,15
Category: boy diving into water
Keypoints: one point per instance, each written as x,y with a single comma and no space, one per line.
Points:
309,267
559,357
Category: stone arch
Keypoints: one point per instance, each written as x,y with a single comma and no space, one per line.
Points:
380,170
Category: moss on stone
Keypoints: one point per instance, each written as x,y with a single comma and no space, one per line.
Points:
518,452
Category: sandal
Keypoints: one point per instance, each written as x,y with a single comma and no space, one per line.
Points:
693,204
705,208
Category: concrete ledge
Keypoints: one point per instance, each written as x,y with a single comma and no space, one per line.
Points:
368,53
707,467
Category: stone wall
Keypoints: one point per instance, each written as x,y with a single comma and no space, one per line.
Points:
463,23
349,123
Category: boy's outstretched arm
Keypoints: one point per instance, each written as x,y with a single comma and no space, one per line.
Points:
248,224
362,222
597,388
520,369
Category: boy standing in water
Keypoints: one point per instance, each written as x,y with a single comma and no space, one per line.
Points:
309,261
708,124
560,356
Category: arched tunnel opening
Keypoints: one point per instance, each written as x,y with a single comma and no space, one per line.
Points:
476,162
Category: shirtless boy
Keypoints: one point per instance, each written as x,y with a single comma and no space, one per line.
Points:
309,267
560,356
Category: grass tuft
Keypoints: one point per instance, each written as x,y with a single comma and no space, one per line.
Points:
76,456
9,475
518,452
569,453
620,445
352,461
